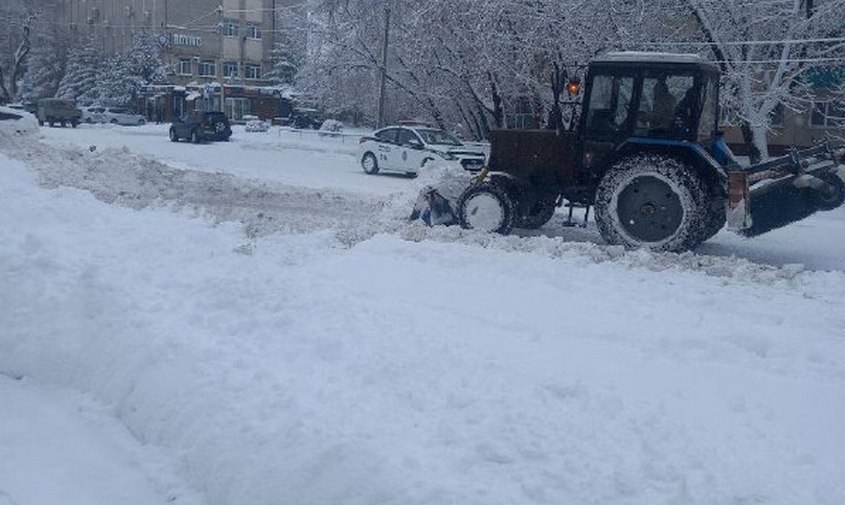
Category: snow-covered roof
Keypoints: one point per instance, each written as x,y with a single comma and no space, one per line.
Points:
645,56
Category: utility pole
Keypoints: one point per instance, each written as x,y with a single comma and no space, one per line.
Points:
383,85
221,63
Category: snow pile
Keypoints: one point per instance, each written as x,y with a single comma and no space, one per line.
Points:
261,208
448,179
495,370
62,447
15,122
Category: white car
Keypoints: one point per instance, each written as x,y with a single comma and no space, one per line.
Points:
124,117
93,114
254,124
17,122
409,148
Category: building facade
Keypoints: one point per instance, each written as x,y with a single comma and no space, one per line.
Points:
217,52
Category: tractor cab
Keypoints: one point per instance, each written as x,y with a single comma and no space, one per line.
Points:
633,100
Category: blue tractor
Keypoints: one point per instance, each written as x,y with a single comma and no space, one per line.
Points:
648,156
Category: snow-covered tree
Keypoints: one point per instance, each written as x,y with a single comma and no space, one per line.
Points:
461,61
23,23
16,25
120,80
289,49
84,65
766,51
472,61
46,65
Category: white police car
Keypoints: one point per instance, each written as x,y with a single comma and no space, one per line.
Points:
409,148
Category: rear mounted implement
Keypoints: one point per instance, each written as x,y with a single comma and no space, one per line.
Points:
773,194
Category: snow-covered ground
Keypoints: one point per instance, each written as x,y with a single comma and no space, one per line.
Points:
63,447
263,322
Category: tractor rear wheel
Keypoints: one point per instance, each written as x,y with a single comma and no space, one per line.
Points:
486,207
652,202
714,216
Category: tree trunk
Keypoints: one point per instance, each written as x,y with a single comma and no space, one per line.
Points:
748,137
482,117
11,90
498,111
4,93
761,141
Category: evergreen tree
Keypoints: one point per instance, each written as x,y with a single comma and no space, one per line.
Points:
287,59
144,58
46,66
81,78
120,81
117,83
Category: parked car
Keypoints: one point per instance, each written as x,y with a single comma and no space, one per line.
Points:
304,118
93,114
123,117
56,110
331,128
407,149
255,124
199,126
17,121
30,107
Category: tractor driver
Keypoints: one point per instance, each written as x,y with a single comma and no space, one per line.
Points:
663,107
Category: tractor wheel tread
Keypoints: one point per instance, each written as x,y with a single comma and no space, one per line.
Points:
663,201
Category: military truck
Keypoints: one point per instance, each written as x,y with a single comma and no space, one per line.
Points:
54,111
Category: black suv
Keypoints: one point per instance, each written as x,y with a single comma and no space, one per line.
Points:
198,126
305,119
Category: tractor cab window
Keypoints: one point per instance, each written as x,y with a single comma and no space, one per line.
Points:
610,104
667,106
708,124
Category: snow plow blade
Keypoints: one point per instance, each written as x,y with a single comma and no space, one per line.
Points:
437,203
774,194
434,209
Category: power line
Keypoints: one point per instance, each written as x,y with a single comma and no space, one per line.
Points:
747,42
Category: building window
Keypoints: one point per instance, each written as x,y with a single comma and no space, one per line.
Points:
237,108
186,67
230,27
208,68
828,115
230,69
253,31
252,71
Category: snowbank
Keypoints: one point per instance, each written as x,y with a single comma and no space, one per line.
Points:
61,447
404,369
14,122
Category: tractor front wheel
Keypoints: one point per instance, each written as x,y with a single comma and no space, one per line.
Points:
486,207
651,202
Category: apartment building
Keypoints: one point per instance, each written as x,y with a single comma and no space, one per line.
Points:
217,52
